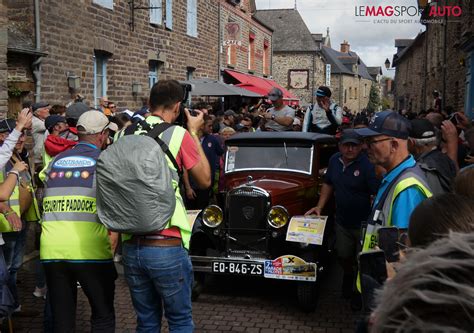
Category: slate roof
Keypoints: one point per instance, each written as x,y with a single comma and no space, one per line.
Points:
290,32
412,42
341,63
403,42
374,71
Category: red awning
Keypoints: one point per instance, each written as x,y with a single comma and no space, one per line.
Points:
260,85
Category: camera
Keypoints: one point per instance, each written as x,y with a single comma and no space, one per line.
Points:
187,88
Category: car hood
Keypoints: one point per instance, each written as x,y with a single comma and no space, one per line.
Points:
278,188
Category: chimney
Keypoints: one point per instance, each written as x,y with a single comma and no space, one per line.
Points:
345,47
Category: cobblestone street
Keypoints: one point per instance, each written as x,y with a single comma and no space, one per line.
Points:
226,305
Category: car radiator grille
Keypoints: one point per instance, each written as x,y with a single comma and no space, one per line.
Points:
246,224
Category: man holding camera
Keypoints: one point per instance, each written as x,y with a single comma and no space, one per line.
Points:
157,266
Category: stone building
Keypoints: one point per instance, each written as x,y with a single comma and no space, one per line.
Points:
350,81
3,59
297,61
246,43
441,58
57,49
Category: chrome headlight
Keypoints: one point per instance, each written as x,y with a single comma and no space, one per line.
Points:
278,217
212,216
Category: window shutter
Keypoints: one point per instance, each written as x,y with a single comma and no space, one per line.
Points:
192,18
105,3
156,13
169,14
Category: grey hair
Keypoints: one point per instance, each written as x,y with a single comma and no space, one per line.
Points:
432,292
425,142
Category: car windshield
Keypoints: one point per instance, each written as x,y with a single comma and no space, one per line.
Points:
282,157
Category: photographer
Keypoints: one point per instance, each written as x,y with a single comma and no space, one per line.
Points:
157,266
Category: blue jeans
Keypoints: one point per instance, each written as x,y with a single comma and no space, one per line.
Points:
13,250
159,278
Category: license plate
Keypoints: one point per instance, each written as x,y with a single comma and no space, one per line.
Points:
239,268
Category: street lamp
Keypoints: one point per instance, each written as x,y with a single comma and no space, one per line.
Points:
387,65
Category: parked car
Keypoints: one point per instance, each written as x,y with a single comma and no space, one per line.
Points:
270,177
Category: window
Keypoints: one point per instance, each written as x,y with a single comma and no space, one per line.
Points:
365,90
153,72
251,52
100,76
350,93
266,58
156,12
231,54
355,93
109,4
169,14
345,96
192,18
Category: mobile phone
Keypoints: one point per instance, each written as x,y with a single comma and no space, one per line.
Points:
453,118
372,263
388,243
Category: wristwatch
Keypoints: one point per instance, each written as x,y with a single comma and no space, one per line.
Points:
273,117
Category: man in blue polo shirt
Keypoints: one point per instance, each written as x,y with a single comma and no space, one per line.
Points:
351,177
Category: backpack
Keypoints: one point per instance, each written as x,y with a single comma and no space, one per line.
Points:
437,182
135,192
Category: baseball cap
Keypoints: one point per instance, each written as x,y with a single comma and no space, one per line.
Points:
275,94
230,113
387,122
142,112
53,120
7,125
422,129
323,91
94,122
350,136
39,105
75,110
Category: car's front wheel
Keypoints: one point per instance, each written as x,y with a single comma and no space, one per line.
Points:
198,285
307,295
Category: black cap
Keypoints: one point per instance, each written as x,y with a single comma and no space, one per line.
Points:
53,120
39,105
323,91
7,125
388,123
350,136
422,129
75,110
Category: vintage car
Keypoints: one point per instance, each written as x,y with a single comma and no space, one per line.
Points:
270,177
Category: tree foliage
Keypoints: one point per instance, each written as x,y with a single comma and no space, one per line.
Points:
374,99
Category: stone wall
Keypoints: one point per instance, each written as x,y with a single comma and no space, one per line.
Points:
348,90
262,36
283,62
3,59
72,32
420,71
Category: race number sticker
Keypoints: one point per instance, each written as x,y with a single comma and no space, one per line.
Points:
192,215
289,267
307,229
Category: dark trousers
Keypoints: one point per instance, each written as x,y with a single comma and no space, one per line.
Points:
201,201
98,283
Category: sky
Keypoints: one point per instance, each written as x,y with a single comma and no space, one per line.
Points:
373,41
